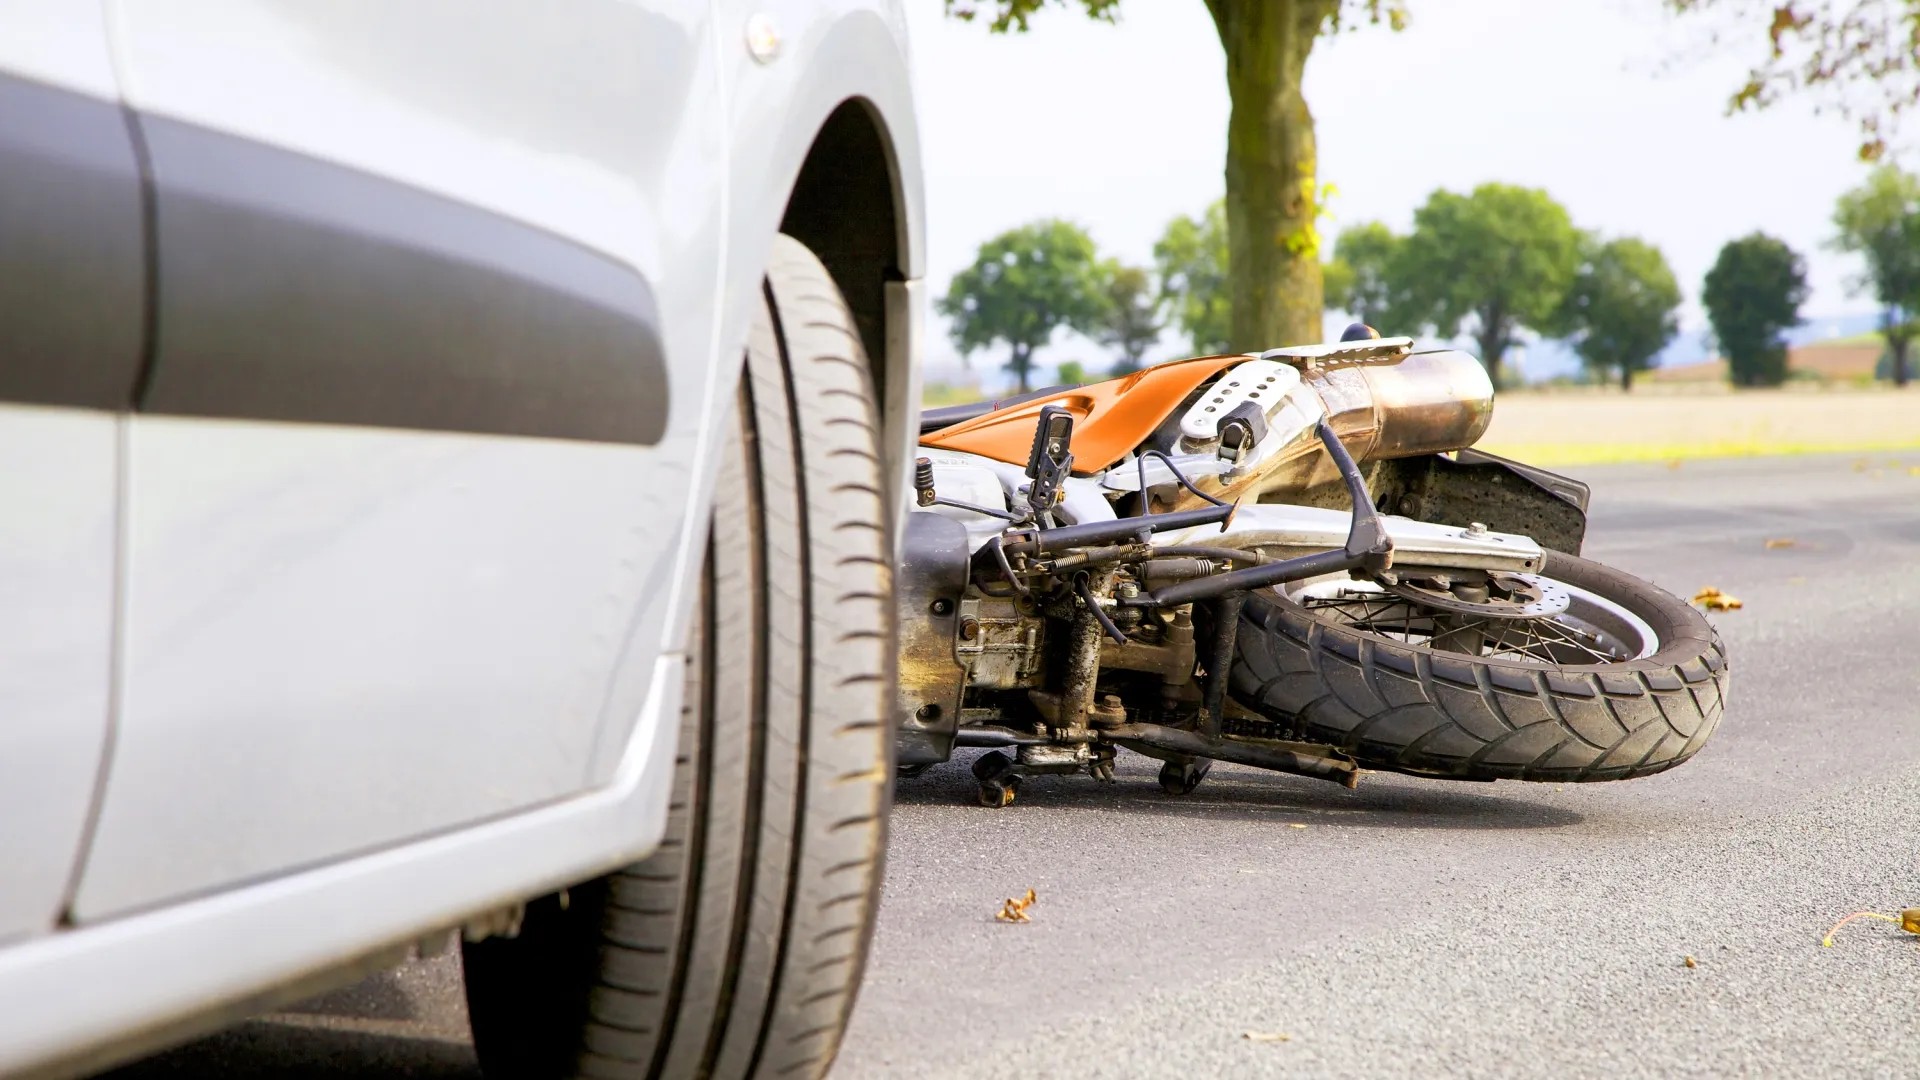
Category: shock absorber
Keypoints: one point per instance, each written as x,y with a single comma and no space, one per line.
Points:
923,481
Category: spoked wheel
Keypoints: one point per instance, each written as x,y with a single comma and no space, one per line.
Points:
1578,673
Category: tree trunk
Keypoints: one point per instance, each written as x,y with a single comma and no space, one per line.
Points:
1494,336
1626,378
1899,358
1273,260
1493,344
1021,360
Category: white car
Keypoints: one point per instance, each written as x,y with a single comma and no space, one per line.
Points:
450,460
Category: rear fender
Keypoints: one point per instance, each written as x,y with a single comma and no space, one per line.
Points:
1473,485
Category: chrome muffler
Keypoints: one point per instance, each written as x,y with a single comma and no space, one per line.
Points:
1382,399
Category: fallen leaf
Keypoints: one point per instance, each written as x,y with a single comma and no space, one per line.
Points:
1674,464
1688,960
1266,1036
1713,599
1782,542
1913,470
1016,910
1860,465
1909,921
1295,825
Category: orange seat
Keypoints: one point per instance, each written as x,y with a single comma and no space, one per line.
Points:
1109,418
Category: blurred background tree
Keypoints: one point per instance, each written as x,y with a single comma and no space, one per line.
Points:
1023,286
1274,197
1492,263
1753,295
1191,257
1830,48
1880,220
1361,276
1622,309
1133,323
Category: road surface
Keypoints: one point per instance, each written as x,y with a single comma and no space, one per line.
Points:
1410,927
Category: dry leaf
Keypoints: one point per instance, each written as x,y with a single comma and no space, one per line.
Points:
1713,599
1782,542
1016,910
1295,825
1266,1036
1688,960
1909,921
1860,465
1674,464
1913,470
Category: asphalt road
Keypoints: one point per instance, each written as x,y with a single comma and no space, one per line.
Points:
1413,928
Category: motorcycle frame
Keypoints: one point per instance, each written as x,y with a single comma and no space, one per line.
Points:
1071,742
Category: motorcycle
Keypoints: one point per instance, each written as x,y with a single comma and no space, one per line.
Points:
1293,560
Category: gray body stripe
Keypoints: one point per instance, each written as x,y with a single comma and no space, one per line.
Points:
72,250
292,289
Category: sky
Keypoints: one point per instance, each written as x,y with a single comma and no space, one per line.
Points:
1613,106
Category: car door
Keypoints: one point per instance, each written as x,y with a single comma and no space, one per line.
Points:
411,469
71,312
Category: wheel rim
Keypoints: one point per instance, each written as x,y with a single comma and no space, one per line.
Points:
1591,630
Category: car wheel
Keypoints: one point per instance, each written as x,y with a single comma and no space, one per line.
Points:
736,949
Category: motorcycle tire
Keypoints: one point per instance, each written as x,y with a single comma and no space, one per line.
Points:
736,949
1407,707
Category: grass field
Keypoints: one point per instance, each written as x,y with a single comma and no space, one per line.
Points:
1594,428
1669,423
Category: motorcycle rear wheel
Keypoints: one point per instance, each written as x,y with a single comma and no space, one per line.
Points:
1650,692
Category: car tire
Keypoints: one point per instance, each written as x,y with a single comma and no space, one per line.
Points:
736,949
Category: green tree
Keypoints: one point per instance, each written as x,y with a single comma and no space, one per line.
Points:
1752,296
1880,220
1361,277
1024,285
1494,263
1274,198
1191,257
1071,372
1831,48
1621,310
1132,322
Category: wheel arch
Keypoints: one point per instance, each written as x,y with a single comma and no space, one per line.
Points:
855,207
846,206
825,148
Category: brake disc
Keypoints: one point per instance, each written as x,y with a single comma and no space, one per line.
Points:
1533,597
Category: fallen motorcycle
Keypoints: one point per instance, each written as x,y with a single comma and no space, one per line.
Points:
1293,560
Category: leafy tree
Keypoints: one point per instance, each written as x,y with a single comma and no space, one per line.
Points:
1361,278
1494,262
1191,257
1753,295
1622,308
1880,219
1829,48
1071,372
1024,285
1133,320
1274,198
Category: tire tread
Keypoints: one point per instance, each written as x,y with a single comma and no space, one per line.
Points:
1326,679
